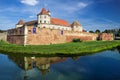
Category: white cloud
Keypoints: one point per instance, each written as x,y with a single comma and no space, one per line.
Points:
30,2
71,9
82,5
32,16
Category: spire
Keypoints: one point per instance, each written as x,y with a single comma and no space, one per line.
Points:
43,11
21,22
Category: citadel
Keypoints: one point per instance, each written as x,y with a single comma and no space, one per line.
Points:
48,30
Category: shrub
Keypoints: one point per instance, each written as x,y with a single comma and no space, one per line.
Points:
76,40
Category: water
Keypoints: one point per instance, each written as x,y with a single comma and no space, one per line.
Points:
100,66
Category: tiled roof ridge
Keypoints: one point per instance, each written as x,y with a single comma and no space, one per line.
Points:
21,22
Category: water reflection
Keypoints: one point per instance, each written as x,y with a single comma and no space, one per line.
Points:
41,63
100,66
118,48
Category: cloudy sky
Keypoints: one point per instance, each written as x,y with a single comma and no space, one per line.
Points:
92,14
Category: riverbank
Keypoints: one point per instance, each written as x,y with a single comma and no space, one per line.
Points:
78,48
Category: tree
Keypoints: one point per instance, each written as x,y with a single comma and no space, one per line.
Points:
97,31
91,31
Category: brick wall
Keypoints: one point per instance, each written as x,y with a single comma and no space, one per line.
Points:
45,36
15,39
106,36
84,36
16,36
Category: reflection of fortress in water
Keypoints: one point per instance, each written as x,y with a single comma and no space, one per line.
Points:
41,63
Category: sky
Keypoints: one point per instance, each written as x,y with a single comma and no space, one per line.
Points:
92,14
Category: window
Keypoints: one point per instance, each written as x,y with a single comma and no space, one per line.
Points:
40,21
29,31
20,29
34,30
61,32
44,21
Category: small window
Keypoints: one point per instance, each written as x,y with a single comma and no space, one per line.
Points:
62,32
29,31
34,30
44,21
40,21
20,30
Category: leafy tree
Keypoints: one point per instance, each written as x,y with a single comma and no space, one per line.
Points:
91,31
97,31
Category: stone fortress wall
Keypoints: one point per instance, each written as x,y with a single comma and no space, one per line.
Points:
46,36
16,36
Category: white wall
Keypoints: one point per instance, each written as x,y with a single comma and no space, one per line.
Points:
44,19
17,26
77,28
54,27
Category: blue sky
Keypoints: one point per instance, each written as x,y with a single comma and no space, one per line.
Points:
92,14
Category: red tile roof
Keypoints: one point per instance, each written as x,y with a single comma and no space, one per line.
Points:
43,11
56,21
34,22
21,22
76,23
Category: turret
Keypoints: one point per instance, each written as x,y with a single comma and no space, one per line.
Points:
44,17
20,23
76,26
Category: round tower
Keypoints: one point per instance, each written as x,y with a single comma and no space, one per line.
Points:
44,17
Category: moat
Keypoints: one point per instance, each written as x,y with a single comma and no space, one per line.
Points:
99,66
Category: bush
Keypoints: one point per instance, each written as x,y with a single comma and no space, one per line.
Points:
76,40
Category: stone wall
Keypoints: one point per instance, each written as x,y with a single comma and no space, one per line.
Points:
31,35
106,36
83,36
3,36
44,36
15,39
16,36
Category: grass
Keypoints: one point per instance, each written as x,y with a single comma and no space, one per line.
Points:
79,48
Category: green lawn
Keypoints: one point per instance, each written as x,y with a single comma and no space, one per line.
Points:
55,49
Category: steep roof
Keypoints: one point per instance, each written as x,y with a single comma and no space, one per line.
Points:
56,21
43,11
21,22
34,22
76,23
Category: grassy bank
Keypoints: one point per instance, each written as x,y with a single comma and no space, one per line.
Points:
55,49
